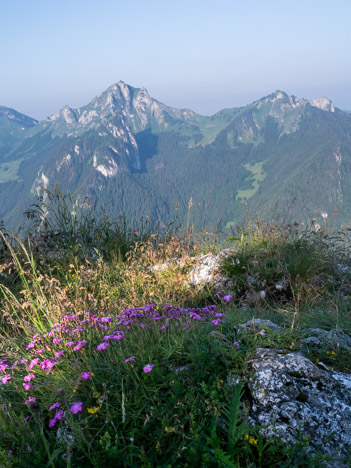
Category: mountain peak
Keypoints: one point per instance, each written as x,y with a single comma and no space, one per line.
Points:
323,103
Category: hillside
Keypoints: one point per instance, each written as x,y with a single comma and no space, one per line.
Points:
280,155
118,349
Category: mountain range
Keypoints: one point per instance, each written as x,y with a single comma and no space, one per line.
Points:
279,156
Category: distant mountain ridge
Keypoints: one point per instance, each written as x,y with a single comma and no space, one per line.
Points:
139,157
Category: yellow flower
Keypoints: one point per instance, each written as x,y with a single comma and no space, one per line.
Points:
250,439
93,410
333,353
158,447
96,394
169,429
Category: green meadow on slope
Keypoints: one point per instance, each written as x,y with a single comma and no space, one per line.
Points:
107,361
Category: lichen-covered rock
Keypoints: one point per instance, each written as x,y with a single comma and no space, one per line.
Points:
290,393
335,338
257,324
207,271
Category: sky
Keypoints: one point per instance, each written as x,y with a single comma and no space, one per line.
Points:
200,54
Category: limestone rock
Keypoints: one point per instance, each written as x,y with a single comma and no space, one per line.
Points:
207,271
290,393
335,338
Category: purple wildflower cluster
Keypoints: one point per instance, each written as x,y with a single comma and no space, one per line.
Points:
73,332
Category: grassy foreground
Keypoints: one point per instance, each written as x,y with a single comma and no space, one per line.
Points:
105,361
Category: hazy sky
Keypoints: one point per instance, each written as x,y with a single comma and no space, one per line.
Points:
200,54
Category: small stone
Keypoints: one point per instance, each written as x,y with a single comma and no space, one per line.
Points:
257,324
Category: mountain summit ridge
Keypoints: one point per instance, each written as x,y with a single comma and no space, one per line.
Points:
140,156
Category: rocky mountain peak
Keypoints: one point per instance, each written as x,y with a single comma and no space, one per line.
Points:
323,103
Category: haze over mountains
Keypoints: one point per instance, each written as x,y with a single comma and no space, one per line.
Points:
138,157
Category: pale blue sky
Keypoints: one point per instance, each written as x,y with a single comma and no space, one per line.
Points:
200,54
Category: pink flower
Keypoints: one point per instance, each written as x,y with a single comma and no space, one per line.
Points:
29,377
102,346
131,358
85,375
148,368
40,351
27,386
76,407
3,366
54,406
262,332
6,378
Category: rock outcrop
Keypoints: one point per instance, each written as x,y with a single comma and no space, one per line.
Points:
291,394
207,272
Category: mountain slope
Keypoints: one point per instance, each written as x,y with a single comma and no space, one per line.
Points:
139,157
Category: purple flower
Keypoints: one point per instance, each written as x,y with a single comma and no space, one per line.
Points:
71,343
148,368
57,417
131,358
79,345
58,354
217,315
3,366
46,364
5,379
59,414
216,322
236,344
52,422
31,345
195,316
106,319
262,332
33,363
54,406
29,377
102,346
217,294
57,340
32,402
85,375
228,298
76,407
